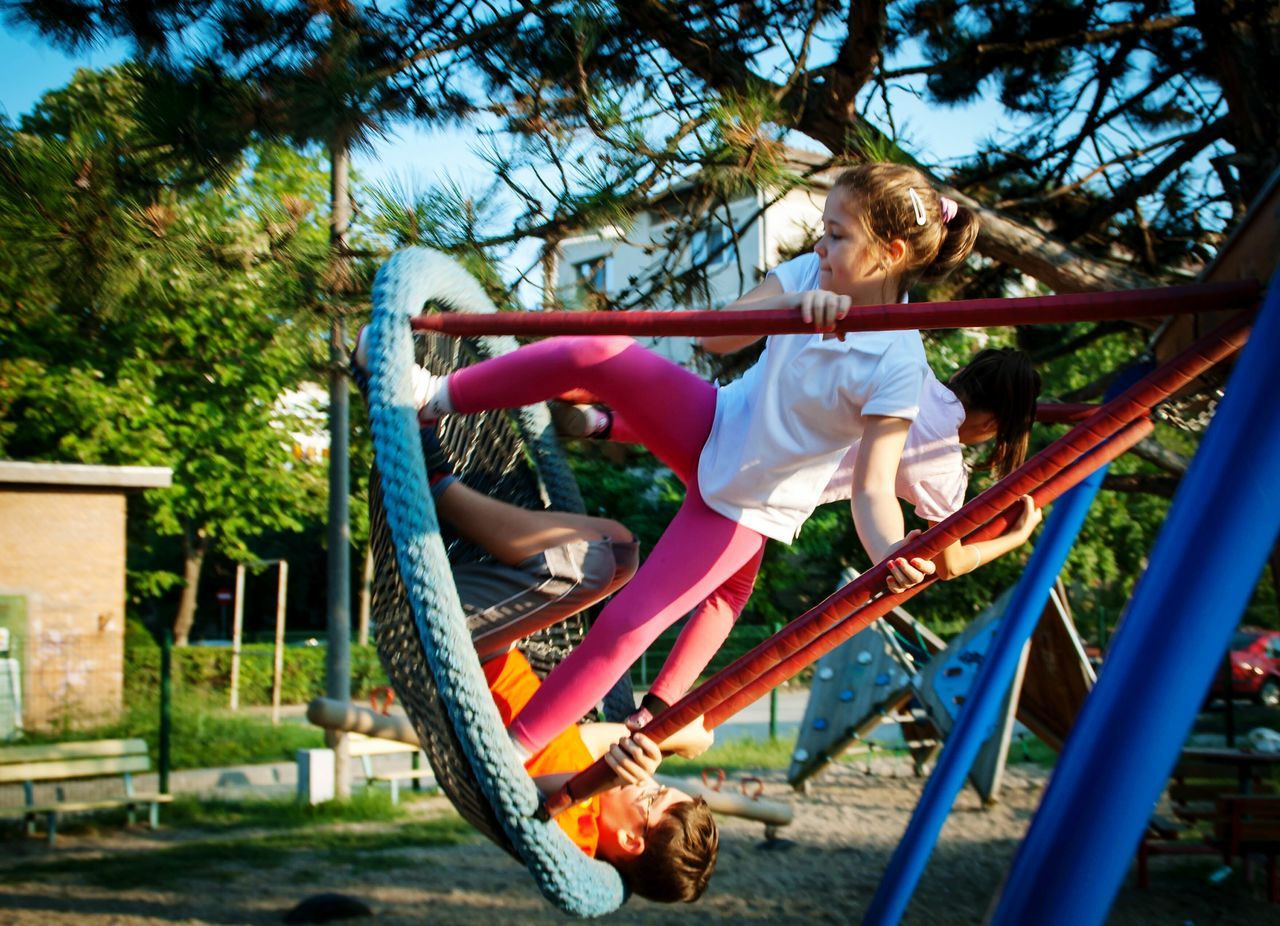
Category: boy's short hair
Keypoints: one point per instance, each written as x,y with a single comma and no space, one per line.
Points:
679,855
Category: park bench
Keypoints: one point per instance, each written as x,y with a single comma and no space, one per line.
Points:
1249,824
366,747
59,763
1224,803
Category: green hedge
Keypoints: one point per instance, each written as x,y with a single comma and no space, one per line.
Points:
207,670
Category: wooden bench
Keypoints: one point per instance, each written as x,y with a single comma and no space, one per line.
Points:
1208,797
366,747
62,762
1249,824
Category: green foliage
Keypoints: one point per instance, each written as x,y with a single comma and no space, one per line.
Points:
205,734
152,320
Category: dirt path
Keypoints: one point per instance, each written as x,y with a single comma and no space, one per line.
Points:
841,840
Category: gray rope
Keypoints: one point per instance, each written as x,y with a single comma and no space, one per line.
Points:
565,875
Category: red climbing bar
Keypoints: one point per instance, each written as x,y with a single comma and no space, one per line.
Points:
1133,404
1110,419
971,313
1063,412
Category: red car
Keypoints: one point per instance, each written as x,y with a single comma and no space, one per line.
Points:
1255,667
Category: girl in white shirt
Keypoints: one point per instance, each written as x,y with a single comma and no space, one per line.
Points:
992,398
755,454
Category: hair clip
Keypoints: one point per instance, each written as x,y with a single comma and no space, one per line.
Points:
949,209
917,204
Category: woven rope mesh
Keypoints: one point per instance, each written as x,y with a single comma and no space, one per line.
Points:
491,454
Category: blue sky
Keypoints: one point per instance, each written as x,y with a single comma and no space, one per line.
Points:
30,67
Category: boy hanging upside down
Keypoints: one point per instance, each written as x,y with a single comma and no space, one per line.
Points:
550,565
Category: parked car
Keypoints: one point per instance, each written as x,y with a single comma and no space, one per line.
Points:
1255,667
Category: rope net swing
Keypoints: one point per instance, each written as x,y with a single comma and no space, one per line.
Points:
434,642
419,624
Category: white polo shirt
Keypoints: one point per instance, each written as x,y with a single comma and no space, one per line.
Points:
781,430
932,475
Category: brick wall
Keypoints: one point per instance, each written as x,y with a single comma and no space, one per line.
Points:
63,550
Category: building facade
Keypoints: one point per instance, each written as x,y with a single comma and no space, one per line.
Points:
738,243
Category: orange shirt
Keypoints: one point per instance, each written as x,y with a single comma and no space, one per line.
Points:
512,682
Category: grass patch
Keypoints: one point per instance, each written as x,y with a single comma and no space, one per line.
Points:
734,755
1031,750
314,850
203,735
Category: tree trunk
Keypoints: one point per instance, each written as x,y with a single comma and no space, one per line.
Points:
338,665
194,547
338,619
1274,559
551,274
1044,258
366,596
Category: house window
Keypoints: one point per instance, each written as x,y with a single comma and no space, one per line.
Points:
592,276
591,282
712,246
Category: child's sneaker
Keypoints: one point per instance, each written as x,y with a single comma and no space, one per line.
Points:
430,391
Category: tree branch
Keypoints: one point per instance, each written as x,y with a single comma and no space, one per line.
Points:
1071,345
1163,486
1155,452
1024,247
1126,196
983,52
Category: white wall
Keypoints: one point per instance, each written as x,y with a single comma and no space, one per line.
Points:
784,224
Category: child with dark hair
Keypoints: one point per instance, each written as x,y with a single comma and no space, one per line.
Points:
663,841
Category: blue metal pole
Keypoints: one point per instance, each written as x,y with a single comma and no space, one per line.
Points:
1205,563
978,713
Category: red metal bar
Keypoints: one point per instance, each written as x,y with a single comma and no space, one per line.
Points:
1111,418
1060,412
972,313
874,610
1046,412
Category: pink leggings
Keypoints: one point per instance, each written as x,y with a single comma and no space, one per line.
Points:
702,558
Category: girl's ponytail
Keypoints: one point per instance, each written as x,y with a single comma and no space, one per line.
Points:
959,235
1004,382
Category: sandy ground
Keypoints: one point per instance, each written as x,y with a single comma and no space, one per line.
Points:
845,829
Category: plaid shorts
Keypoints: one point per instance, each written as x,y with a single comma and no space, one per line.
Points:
504,603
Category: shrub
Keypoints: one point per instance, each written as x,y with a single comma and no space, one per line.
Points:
206,671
